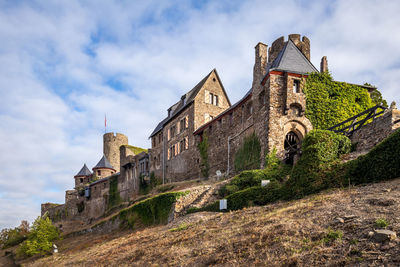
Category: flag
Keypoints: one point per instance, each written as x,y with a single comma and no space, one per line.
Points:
105,121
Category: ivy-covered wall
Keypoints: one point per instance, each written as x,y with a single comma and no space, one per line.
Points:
330,102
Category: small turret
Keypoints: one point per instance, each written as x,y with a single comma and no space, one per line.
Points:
103,168
83,176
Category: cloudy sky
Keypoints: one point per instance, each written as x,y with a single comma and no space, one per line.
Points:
64,64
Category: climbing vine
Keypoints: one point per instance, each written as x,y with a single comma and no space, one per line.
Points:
330,102
113,194
203,149
248,155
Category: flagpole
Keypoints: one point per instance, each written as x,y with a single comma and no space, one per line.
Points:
105,123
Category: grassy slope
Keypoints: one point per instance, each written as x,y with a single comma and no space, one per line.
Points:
286,232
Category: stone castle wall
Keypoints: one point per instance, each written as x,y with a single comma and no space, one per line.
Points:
371,134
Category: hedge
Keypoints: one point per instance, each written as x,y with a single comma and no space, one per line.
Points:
150,211
381,163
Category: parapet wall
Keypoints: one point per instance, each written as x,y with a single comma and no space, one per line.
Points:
371,134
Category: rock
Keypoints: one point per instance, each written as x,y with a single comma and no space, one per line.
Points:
386,190
370,234
348,218
383,235
340,220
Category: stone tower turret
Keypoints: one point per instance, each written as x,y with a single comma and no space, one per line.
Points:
111,144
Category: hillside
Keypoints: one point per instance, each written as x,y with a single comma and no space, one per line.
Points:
305,232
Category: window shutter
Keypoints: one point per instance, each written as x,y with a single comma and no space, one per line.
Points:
169,154
177,148
186,142
187,122
169,133
178,127
206,96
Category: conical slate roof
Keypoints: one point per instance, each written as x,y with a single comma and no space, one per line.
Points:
291,59
103,163
84,171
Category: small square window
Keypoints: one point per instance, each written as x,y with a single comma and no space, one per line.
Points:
296,86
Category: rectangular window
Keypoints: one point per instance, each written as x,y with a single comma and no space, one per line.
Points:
169,153
211,101
169,134
187,142
296,86
216,100
186,122
182,146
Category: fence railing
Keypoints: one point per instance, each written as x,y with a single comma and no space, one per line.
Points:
349,126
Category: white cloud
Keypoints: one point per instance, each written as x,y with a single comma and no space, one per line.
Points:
57,58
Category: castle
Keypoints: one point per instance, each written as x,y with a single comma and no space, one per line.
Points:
273,109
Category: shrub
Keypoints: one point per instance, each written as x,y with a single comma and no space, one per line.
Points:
381,223
381,163
203,149
332,235
40,238
330,102
248,155
11,237
150,211
316,168
255,195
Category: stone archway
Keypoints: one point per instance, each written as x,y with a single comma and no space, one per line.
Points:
292,147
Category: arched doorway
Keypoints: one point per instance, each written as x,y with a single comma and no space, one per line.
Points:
292,147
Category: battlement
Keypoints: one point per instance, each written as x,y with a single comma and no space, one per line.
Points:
303,44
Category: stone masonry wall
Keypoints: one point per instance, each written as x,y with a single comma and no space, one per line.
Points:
111,145
371,134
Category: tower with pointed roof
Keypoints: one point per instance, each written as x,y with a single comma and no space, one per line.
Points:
278,80
103,168
82,177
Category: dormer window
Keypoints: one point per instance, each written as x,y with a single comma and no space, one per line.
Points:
296,86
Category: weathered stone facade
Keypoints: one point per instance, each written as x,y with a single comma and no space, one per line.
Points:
174,154
111,144
374,132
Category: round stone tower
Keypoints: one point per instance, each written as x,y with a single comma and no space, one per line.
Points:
111,144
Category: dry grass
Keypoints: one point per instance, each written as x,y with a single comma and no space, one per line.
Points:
291,233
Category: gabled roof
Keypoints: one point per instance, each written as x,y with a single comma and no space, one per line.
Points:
291,59
185,101
103,163
84,171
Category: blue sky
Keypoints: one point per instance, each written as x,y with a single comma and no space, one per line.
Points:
65,64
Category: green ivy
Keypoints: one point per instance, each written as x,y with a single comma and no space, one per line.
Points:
381,163
330,102
248,155
150,211
203,149
113,194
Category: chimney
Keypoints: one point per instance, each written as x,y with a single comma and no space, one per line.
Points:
324,64
260,62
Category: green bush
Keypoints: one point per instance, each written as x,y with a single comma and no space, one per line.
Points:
11,237
40,238
150,211
255,195
381,223
330,102
248,155
203,150
114,197
210,207
381,163
331,236
274,170
316,168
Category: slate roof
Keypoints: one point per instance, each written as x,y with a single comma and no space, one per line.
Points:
185,101
103,163
84,171
291,59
